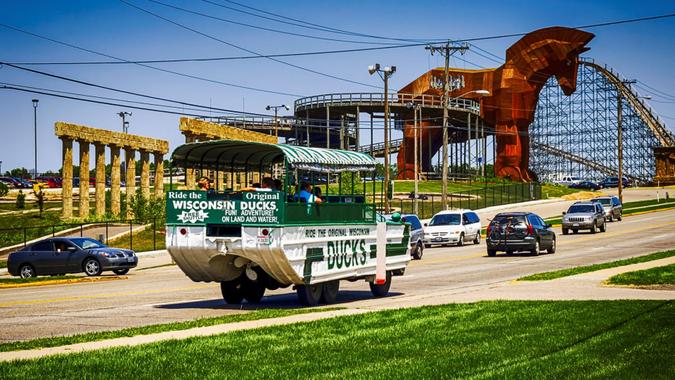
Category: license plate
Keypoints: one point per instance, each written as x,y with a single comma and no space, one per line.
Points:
438,239
130,259
575,225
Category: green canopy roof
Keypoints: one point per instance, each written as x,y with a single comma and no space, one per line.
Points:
226,154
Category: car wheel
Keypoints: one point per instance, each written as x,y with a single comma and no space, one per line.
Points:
536,249
510,253
491,252
427,246
611,217
232,291
552,249
92,267
27,271
382,289
575,231
460,243
418,252
593,230
121,272
565,231
476,240
253,292
619,217
603,228
310,295
330,291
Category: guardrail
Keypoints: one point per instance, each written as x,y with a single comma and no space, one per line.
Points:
377,99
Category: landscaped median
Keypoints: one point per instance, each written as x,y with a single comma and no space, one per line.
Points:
592,268
503,339
52,280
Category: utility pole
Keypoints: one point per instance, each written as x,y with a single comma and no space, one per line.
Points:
416,108
620,143
125,123
35,104
446,50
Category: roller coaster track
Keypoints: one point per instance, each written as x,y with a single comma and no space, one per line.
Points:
573,157
664,136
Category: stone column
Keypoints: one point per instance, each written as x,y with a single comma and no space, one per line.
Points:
159,175
100,179
145,174
130,158
189,172
115,180
84,179
67,168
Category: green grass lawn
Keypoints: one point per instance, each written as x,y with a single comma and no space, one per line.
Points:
504,339
549,190
18,280
151,329
664,275
592,268
142,241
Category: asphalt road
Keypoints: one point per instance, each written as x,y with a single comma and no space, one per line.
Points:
162,293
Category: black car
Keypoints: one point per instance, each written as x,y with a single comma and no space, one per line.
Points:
586,185
69,255
613,182
519,231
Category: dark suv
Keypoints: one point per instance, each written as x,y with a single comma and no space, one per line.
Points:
519,231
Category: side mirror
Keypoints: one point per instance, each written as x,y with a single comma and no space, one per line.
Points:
426,224
564,212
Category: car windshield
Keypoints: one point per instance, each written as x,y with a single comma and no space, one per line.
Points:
604,201
86,243
581,209
445,220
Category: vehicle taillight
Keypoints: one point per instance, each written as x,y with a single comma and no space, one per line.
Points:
530,229
265,232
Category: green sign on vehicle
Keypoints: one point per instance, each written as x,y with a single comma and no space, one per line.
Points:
194,207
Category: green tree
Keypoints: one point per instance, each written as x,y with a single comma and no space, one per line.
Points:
18,172
4,189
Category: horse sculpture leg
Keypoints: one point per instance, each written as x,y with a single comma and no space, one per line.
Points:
509,153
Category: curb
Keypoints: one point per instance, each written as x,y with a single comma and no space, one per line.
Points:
64,281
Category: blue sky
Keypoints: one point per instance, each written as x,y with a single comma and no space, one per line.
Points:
642,51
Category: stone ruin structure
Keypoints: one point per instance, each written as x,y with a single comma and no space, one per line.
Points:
115,141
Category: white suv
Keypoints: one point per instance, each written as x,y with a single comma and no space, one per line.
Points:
452,227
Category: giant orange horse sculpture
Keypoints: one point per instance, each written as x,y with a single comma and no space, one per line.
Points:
514,88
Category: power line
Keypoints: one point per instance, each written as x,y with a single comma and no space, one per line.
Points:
264,28
146,66
125,91
245,49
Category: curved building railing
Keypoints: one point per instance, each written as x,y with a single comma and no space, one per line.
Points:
374,99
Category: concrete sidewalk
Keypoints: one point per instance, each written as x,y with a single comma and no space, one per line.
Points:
587,286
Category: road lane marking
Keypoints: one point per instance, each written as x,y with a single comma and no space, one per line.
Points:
97,296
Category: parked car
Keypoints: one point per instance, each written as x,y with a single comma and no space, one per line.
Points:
69,255
568,180
584,215
51,182
10,182
612,207
452,227
24,183
416,235
587,185
519,231
613,182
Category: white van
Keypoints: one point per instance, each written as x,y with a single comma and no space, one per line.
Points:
568,180
452,227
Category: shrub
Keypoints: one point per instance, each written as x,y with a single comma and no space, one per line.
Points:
21,200
4,189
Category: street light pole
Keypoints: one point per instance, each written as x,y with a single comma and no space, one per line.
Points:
416,108
125,123
276,119
620,145
385,73
35,168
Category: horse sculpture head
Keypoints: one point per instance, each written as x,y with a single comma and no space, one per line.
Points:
550,52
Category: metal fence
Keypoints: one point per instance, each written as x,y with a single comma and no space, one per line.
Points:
123,233
487,196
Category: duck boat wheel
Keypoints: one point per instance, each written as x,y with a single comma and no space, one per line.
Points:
282,233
